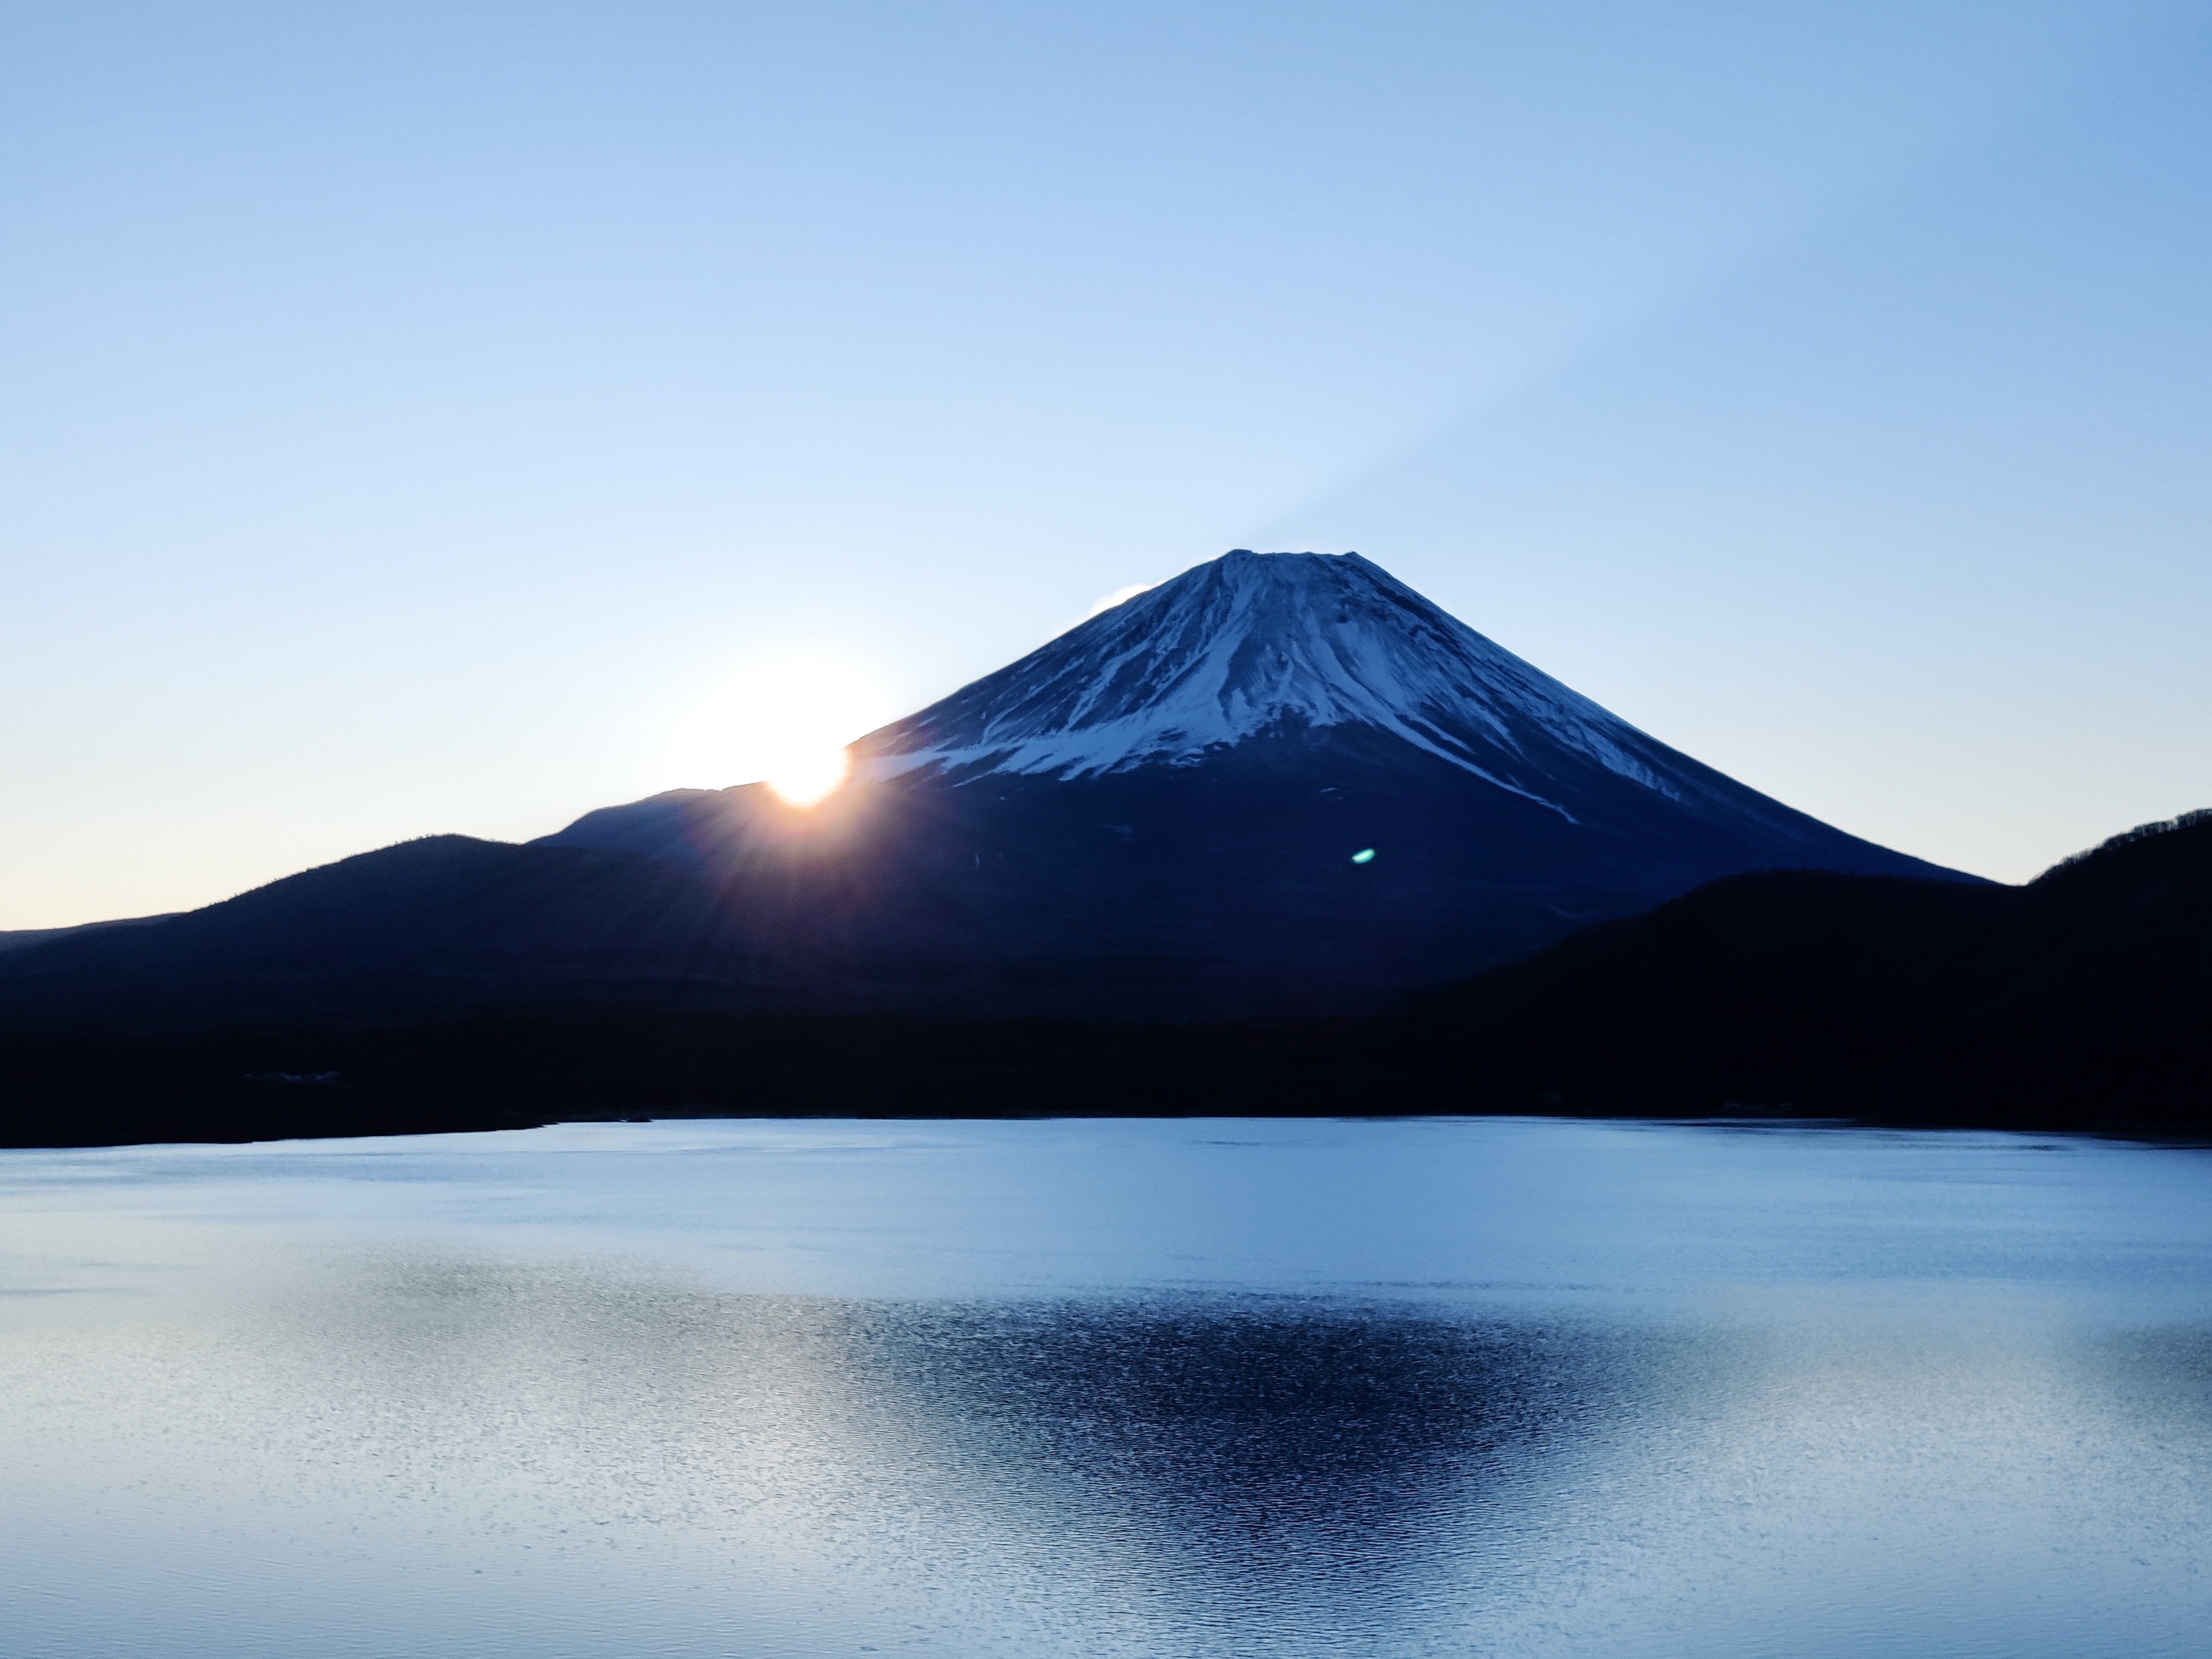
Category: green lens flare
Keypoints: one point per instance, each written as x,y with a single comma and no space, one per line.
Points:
1364,855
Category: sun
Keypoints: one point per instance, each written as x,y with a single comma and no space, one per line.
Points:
803,778
782,719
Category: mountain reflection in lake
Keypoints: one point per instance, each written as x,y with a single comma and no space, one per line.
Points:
1148,1388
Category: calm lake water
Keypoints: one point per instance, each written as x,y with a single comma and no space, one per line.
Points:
1144,1388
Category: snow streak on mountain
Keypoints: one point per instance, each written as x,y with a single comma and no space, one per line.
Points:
1256,643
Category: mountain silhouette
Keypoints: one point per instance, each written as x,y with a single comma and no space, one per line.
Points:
1195,854
2084,996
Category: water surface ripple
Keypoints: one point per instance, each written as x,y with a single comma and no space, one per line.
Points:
1502,1387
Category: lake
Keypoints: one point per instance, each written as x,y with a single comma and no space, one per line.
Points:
1126,1388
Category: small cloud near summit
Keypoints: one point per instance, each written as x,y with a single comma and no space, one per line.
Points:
1119,596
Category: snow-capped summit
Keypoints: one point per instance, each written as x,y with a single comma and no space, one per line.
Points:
1254,642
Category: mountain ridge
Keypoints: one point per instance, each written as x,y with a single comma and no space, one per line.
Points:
2083,995
2081,1001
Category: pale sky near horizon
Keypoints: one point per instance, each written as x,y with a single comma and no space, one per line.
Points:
425,417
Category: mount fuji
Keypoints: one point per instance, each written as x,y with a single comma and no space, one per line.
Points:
1278,836
1280,783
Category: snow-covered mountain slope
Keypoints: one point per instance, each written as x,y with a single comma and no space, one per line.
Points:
1280,782
1252,643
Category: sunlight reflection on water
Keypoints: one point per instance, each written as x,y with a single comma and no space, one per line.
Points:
1519,1388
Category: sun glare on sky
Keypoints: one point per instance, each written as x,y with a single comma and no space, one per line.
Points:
805,778
782,720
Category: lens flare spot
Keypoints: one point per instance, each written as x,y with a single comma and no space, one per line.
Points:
1364,855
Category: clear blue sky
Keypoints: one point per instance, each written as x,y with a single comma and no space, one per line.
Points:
456,416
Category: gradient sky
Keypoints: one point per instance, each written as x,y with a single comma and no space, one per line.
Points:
456,416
